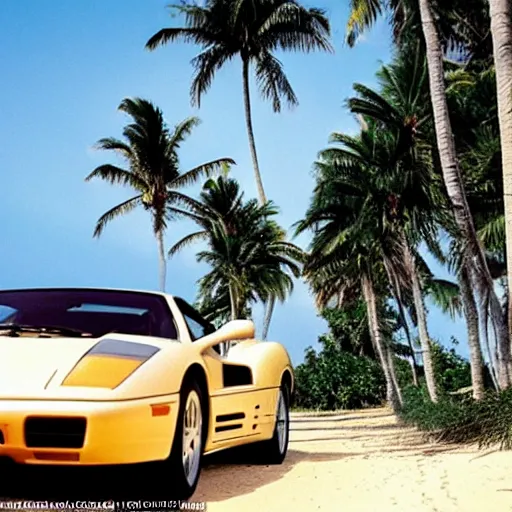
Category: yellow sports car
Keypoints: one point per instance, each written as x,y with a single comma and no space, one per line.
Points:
105,377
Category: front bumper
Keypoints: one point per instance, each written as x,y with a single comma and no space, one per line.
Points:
122,432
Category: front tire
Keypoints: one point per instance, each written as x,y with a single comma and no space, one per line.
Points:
182,469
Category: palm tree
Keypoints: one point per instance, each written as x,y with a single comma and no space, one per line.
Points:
501,28
249,258
402,108
352,265
403,195
251,30
151,153
364,13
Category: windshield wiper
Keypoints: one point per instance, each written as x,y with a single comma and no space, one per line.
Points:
15,329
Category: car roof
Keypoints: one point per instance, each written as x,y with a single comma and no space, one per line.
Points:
85,288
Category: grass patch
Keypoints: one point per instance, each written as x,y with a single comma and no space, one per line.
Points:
460,419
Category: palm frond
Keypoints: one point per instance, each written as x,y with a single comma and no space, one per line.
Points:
169,35
272,81
205,65
117,211
446,296
114,174
202,171
363,14
290,26
113,144
186,241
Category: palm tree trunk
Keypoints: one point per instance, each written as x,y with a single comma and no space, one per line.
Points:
257,174
395,287
392,370
233,301
375,333
161,259
475,351
454,186
268,316
419,306
250,132
490,352
501,28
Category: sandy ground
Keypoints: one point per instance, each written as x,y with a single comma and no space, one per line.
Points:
361,461
349,462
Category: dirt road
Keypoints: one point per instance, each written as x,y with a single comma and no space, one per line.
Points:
362,461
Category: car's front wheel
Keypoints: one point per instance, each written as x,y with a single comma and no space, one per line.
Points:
183,467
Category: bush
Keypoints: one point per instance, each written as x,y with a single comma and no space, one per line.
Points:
334,379
461,420
452,371
403,372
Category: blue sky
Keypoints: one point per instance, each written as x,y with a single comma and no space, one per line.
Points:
65,68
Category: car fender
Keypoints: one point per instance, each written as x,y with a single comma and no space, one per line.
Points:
268,361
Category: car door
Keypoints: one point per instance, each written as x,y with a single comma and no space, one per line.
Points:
231,410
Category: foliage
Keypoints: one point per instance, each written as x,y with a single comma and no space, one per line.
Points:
486,422
150,150
349,328
433,418
246,250
252,30
452,371
403,372
335,379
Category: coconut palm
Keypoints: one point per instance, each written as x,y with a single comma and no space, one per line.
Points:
249,258
364,13
251,30
402,107
150,151
501,28
402,190
343,261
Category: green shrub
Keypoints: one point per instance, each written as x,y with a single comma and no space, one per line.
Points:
334,379
420,411
461,419
403,372
452,371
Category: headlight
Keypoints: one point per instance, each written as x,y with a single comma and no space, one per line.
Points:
109,363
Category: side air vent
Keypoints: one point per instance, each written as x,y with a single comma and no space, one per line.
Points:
2,438
55,432
230,417
236,375
225,428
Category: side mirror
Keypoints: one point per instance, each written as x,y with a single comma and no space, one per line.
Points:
234,330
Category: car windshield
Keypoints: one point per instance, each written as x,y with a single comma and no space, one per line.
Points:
96,312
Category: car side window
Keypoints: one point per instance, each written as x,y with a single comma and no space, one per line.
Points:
196,329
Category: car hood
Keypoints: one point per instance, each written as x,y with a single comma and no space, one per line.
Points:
29,366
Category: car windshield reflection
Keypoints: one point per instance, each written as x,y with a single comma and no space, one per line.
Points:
85,312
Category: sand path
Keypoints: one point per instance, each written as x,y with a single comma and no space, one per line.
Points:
361,461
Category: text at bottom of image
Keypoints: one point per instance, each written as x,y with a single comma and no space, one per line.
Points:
115,506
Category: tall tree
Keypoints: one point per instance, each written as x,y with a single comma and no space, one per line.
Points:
352,266
151,153
501,28
455,188
251,30
364,13
402,195
249,258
